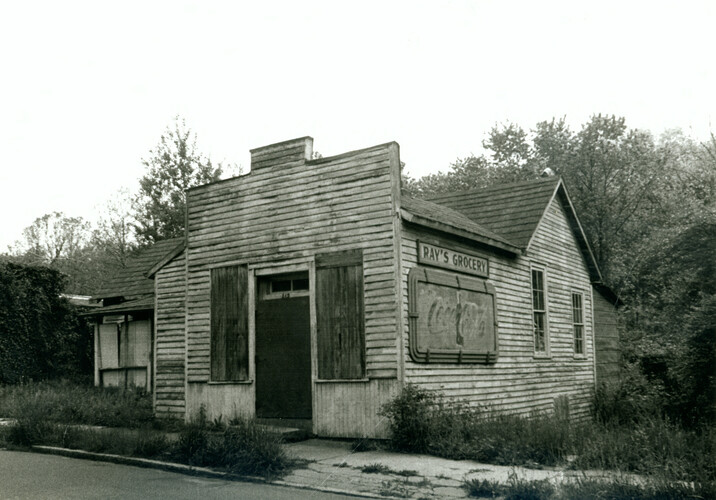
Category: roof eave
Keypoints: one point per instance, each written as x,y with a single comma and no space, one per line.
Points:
100,311
171,255
560,188
455,231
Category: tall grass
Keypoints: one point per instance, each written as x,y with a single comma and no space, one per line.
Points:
66,402
625,438
615,488
423,422
243,447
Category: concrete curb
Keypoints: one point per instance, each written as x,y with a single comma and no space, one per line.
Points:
191,470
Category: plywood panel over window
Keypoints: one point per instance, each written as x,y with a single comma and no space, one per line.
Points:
229,324
138,343
109,346
340,315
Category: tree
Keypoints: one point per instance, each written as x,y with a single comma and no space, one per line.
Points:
114,234
51,238
612,172
174,166
67,245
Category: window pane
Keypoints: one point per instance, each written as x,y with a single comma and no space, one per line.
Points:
300,284
537,290
539,331
579,339
281,286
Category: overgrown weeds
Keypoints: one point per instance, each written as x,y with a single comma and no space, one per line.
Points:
60,413
617,488
63,401
625,438
422,422
515,489
243,447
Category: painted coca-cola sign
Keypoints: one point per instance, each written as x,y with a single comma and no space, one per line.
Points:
452,318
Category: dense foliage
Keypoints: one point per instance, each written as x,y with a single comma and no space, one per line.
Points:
41,334
174,166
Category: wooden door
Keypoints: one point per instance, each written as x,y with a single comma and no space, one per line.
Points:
283,358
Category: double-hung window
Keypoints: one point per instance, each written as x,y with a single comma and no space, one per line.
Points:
578,321
539,311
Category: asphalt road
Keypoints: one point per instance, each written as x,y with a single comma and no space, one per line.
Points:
36,476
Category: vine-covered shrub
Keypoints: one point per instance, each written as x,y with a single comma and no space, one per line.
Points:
41,334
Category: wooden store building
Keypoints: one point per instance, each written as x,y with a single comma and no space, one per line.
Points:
312,290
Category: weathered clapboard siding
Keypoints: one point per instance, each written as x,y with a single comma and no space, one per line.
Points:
170,283
287,210
220,400
606,336
348,409
519,382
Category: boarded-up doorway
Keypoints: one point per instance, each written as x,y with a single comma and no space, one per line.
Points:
283,348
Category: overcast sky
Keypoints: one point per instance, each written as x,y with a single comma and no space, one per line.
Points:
87,88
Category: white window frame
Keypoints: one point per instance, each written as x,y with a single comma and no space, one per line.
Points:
545,292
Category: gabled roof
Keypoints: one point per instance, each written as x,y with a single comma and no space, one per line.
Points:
511,210
514,211
445,219
131,282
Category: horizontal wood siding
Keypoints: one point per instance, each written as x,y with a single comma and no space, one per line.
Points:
348,409
606,335
519,382
288,212
220,400
170,286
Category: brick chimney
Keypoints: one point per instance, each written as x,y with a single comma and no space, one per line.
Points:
300,149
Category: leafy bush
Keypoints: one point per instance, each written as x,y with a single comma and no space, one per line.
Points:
631,400
423,422
410,415
41,334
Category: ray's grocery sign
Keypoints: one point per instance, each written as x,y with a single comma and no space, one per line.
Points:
450,259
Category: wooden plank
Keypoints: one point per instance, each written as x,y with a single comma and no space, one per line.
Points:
340,317
229,323
351,257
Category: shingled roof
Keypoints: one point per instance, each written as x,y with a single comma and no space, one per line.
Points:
132,281
511,210
445,219
514,211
